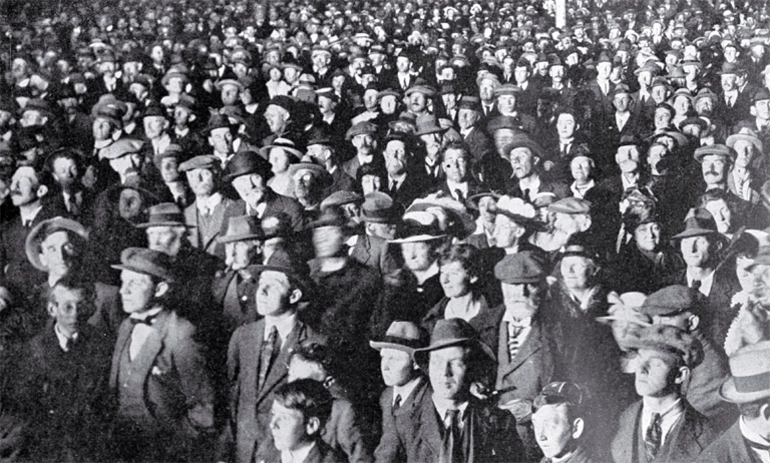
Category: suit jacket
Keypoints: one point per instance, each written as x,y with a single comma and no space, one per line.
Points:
177,388
275,204
730,447
374,252
197,233
414,186
408,407
685,441
416,437
235,298
249,407
344,432
754,186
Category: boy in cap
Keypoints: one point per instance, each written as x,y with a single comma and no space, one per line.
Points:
662,426
557,417
159,378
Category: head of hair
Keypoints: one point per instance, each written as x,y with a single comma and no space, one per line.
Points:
467,255
308,396
319,354
74,281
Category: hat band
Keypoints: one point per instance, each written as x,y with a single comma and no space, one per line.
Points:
165,218
751,384
411,343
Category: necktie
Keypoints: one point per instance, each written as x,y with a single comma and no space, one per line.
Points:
451,445
144,321
397,403
695,285
72,205
266,357
513,342
460,196
69,344
652,438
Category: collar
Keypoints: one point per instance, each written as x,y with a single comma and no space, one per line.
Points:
146,314
580,192
208,204
705,283
405,390
508,318
533,185
181,133
63,339
732,94
100,144
29,216
457,186
622,117
750,434
284,325
442,410
297,456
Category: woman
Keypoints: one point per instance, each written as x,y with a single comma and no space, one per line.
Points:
281,155
459,272
725,208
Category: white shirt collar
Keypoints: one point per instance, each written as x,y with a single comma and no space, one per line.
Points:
405,390
705,283
284,325
29,216
63,339
581,192
667,421
297,456
209,204
442,411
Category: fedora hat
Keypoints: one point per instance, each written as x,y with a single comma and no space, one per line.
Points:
378,207
290,265
749,370
147,262
286,145
450,333
164,215
403,336
340,198
332,216
45,229
314,167
428,124
247,162
699,222
744,136
242,228
523,141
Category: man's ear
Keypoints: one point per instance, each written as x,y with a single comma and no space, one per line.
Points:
535,160
50,309
764,411
577,428
693,322
42,190
682,375
295,296
161,289
313,426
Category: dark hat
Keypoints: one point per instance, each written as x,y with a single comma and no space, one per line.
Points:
425,89
403,336
520,268
242,228
247,162
121,147
290,265
469,102
428,124
332,216
561,392
340,198
361,128
507,89
669,301
318,136
204,161
164,215
761,95
449,333
717,149
699,222
285,102
147,262
730,68
524,141
378,207
45,229
749,370
218,121
670,340
314,167
580,244
154,110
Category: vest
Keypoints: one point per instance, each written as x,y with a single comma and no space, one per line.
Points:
131,404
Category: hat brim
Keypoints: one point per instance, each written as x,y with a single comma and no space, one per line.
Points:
417,239
34,237
234,238
696,232
729,393
421,356
163,224
143,271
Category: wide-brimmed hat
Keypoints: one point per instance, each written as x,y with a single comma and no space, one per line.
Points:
449,333
670,340
340,198
332,216
164,215
453,218
247,162
699,222
473,200
518,210
314,167
744,135
44,229
626,308
403,336
286,145
669,301
749,370
242,228
428,124
147,262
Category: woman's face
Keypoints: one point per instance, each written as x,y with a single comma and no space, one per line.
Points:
576,272
455,279
647,236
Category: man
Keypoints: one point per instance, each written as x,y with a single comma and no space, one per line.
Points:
732,105
205,217
677,306
321,147
278,115
526,182
405,182
332,121
258,352
159,380
745,178
380,215
559,425
456,165
528,349
248,173
66,169
747,439
662,426
155,131
363,138
715,161
450,424
479,144
310,179
569,145
700,244
405,383
61,377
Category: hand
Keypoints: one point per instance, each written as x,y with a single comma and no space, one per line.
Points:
548,165
480,391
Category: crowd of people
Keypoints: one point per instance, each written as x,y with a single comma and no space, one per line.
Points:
385,231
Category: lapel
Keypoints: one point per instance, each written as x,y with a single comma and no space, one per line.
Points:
215,224
149,351
191,218
683,440
626,442
124,335
361,251
428,430
279,370
531,345
414,399
227,287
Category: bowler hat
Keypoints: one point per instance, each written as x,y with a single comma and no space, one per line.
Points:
44,229
670,340
403,336
749,370
147,262
290,265
699,222
668,301
164,215
247,162
242,228
428,124
520,268
285,102
332,216
450,333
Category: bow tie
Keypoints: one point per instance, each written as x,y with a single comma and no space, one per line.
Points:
757,445
149,321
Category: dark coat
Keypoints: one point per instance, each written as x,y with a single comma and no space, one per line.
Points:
276,204
730,447
685,441
235,295
485,323
417,437
207,238
408,407
375,253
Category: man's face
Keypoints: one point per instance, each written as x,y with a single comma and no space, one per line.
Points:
523,162
240,254
364,143
320,60
521,74
553,429
181,116
662,118
521,300
506,233
714,169
576,271
417,102
728,82
395,157
229,94
221,140
370,100
760,292
288,427
627,152
448,371
621,102
417,256
169,169
486,91
566,126
695,251
403,64
762,107
730,53
396,367
326,105
273,293
175,85
136,291
388,104
581,169
57,253
654,375
24,186
165,239
704,107
277,118
659,94
644,79
466,118
721,213
557,73
70,308
202,182
603,70
101,129
746,153
328,241
251,188
647,236
506,104
154,126
107,68
455,165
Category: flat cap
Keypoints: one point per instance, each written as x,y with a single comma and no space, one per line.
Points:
671,300
147,262
520,268
121,148
716,149
571,205
361,128
204,161
340,198
670,340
